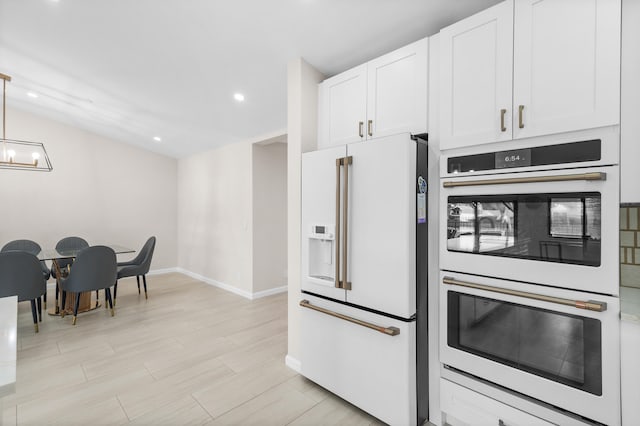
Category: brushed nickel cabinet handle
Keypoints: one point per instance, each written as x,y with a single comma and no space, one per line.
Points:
502,113
537,179
370,127
390,331
337,282
520,119
589,305
360,127
345,215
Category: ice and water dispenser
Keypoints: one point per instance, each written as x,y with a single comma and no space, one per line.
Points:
321,254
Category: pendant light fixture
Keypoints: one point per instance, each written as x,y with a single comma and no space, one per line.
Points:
20,155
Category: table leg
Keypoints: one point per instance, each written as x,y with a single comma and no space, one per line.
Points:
58,275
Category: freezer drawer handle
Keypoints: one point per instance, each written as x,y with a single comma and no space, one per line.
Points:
537,179
589,305
391,331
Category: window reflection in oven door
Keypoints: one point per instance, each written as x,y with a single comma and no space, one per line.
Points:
558,346
557,228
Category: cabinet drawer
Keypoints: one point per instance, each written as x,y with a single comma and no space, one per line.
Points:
463,407
630,366
372,370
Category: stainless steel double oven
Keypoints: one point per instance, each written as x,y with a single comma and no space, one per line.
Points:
529,271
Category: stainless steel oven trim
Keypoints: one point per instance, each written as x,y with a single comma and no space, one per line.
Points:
590,305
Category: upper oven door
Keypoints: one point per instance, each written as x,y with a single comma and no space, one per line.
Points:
557,228
534,340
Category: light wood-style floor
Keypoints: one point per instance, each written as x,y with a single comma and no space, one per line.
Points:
190,354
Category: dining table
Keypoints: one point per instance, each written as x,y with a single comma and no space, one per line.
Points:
54,255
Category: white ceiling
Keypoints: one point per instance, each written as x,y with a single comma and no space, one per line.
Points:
135,69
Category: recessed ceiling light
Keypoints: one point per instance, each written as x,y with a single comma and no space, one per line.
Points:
32,95
238,97
157,138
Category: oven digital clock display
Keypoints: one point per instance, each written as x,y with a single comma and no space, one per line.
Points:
514,158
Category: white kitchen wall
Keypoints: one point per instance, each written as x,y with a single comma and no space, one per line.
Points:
99,189
269,216
302,131
215,218
232,224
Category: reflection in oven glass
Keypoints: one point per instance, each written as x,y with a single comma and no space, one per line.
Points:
560,347
550,227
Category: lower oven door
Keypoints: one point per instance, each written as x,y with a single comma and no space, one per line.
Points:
535,340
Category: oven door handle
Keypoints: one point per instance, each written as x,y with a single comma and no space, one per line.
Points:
589,305
536,179
390,331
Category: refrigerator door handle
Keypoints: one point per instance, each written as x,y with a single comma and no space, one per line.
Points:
390,331
345,213
337,282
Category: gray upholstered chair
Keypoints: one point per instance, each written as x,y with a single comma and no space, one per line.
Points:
94,269
33,248
21,275
68,243
137,267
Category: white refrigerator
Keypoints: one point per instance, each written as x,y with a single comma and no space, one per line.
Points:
363,301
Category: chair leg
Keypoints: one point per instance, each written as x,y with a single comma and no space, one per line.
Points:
35,314
115,293
75,308
45,299
144,279
64,300
97,298
39,303
108,292
138,279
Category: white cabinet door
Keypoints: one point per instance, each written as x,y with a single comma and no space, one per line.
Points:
463,407
370,369
397,95
343,103
630,366
382,225
566,66
319,209
476,57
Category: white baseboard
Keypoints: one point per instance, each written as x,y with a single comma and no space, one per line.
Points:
230,288
163,271
215,283
293,363
51,284
269,292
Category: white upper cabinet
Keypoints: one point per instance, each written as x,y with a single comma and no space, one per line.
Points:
566,66
476,57
385,96
397,91
343,107
537,68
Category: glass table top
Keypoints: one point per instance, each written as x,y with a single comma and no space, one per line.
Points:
50,254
